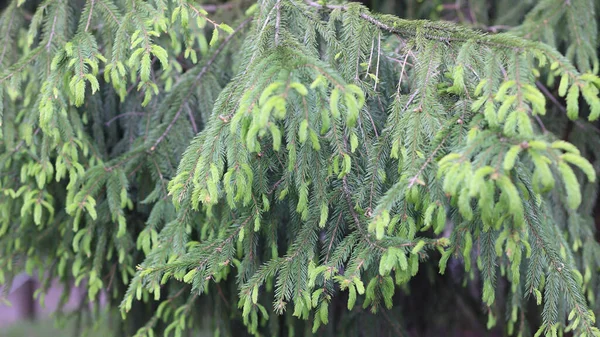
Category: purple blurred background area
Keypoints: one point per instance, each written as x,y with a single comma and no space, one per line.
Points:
23,306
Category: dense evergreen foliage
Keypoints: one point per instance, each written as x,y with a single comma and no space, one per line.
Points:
299,167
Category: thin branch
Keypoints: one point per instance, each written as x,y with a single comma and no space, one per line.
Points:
51,33
23,141
333,237
370,59
548,94
540,123
277,22
402,74
562,108
132,113
377,66
90,15
192,120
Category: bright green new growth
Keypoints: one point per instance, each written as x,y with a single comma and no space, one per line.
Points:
306,151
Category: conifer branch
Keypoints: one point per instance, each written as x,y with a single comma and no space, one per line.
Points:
301,161
563,271
6,38
451,33
415,179
19,66
198,77
108,10
335,230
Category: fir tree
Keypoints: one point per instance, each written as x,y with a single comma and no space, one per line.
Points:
278,165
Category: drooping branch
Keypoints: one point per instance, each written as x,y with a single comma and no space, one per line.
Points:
202,72
449,32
